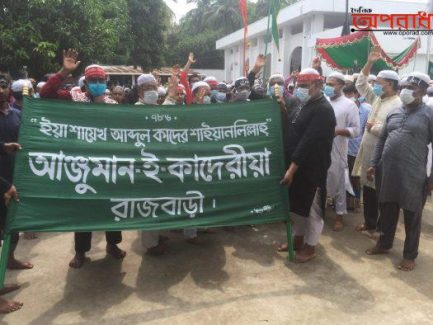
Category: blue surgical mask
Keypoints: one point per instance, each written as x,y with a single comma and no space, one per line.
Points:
271,91
361,99
213,92
150,97
206,100
329,91
97,89
378,90
221,97
302,94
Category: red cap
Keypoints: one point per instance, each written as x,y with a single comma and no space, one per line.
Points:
94,71
308,74
212,83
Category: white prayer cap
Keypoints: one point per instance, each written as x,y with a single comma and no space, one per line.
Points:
403,80
17,86
81,82
199,84
348,77
161,91
40,84
145,79
276,76
210,78
419,78
388,74
371,77
337,75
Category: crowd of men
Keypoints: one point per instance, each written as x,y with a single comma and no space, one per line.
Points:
346,137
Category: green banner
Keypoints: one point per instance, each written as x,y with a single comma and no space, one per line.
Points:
91,167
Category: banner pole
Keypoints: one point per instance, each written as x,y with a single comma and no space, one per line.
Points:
4,259
290,250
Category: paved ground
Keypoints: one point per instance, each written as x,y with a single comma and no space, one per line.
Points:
234,278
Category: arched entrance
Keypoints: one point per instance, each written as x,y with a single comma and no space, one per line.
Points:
296,59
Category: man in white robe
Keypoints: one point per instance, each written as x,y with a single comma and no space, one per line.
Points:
348,126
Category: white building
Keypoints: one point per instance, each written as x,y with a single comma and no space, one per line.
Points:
302,23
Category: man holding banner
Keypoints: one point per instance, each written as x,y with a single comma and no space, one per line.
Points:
8,192
10,120
308,148
95,83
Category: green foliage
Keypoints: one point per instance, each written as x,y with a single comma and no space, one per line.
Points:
33,33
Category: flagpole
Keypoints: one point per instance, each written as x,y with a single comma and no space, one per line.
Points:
271,2
429,10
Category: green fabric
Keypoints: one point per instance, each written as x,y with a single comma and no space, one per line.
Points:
430,69
75,179
352,55
275,10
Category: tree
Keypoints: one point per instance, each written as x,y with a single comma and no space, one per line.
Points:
149,23
34,33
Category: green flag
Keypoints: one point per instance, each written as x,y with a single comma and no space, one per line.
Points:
275,10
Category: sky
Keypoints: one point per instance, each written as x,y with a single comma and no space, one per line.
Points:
180,8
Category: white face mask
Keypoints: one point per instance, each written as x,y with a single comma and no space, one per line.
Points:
406,96
206,100
150,97
243,95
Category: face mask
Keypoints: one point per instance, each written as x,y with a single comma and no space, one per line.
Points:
361,99
302,94
150,97
206,100
213,92
97,89
329,91
221,97
271,91
406,96
243,95
353,99
36,95
378,90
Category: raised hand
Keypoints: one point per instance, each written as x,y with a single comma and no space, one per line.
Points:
173,82
191,59
260,61
70,62
374,54
317,62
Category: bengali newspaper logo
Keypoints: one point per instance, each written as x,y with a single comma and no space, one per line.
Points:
363,19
